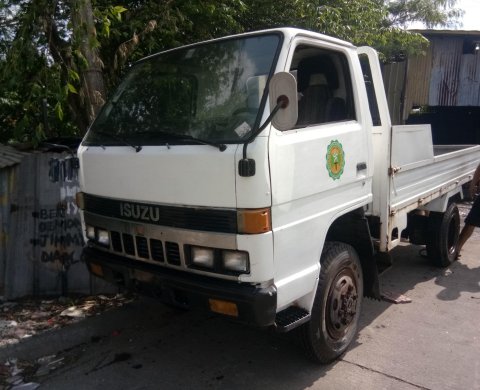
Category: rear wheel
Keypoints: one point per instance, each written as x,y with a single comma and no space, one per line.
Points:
336,309
443,233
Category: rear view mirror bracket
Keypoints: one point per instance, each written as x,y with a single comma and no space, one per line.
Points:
283,114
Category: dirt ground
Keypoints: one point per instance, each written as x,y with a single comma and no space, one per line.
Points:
29,317
429,340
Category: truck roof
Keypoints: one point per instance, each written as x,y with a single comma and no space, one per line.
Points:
288,32
291,32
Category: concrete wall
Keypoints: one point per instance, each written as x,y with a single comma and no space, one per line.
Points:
44,238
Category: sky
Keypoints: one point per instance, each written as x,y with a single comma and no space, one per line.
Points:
471,19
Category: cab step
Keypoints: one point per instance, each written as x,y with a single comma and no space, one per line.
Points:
290,318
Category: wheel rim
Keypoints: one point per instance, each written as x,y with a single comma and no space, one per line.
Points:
452,236
341,306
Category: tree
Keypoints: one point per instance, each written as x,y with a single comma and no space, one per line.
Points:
378,23
430,12
85,39
73,51
59,59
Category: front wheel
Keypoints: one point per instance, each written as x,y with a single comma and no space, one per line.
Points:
336,308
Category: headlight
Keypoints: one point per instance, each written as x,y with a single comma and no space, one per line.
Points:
103,238
90,232
235,261
203,257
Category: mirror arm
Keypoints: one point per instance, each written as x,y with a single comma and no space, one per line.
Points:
282,102
246,166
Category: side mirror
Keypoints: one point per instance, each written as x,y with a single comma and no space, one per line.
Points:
283,87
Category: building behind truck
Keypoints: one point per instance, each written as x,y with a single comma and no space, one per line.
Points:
260,177
441,88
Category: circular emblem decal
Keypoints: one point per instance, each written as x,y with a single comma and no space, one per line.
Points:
335,160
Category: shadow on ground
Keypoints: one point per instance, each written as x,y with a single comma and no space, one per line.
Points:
145,345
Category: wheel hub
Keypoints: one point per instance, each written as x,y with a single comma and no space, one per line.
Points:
341,304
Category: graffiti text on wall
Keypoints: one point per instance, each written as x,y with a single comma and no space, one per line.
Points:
58,236
65,169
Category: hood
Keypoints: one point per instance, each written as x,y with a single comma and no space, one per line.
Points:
196,175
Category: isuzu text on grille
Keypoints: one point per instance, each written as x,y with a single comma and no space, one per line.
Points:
141,212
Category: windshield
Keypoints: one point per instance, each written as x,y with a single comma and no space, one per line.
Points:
211,92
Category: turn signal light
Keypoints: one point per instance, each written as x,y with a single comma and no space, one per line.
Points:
254,221
223,307
96,269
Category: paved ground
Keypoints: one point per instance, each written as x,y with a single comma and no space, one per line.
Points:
431,343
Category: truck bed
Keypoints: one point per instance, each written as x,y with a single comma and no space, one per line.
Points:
423,175
415,185
438,150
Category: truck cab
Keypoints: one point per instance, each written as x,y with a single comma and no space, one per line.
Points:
238,175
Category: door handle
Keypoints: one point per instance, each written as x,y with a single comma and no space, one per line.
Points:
361,166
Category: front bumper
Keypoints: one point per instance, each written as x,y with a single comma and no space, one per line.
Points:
256,306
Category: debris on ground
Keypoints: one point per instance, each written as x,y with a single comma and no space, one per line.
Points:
464,208
13,374
447,272
18,374
394,297
26,317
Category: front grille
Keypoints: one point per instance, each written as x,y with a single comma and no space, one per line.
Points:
173,253
156,249
142,247
116,241
128,244
194,218
149,249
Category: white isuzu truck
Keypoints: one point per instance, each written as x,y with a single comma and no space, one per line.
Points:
259,176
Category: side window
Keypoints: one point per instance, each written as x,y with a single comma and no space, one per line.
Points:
372,98
324,86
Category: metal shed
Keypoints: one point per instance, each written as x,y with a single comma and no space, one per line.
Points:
441,88
10,158
41,237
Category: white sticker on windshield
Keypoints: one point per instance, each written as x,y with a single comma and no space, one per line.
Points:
243,129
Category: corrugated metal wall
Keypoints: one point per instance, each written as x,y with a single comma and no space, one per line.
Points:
9,160
469,81
445,76
7,184
44,238
445,73
394,78
418,81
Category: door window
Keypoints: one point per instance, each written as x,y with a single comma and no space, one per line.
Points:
324,86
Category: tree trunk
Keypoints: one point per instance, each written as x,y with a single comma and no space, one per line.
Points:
85,36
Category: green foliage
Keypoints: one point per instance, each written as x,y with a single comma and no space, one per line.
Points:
43,63
430,12
363,22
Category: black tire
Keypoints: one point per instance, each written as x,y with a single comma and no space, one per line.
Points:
336,308
442,236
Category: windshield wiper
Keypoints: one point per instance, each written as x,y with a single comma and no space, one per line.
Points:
220,147
118,138
180,137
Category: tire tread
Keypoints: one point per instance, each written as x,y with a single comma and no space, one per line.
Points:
330,252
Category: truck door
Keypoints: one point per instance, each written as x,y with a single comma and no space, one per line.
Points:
381,138
319,169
